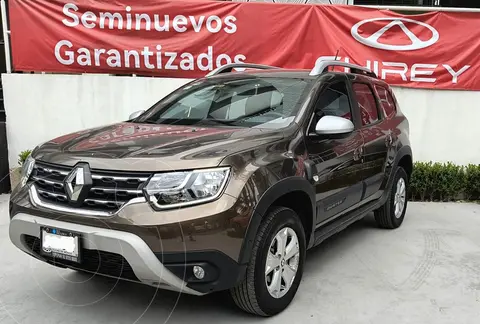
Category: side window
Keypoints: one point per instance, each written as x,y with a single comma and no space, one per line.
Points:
388,104
366,103
334,102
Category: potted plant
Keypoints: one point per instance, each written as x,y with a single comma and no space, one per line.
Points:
16,173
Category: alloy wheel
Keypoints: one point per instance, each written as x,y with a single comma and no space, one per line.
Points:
282,262
400,197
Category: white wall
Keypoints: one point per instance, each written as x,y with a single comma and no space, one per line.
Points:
40,107
444,125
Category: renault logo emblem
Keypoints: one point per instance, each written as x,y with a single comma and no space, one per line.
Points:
415,42
78,183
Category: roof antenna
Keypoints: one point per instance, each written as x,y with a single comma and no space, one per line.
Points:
336,55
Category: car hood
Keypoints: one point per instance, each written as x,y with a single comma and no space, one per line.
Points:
147,147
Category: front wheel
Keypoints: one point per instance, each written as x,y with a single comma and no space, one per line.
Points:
392,213
276,266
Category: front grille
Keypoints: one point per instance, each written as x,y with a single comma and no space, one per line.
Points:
101,262
110,190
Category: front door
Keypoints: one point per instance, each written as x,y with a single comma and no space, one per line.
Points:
375,133
336,162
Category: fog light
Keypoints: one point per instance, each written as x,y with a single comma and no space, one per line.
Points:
198,272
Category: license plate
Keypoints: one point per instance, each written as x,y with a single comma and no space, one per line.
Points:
60,244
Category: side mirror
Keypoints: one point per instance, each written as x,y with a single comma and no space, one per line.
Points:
334,126
136,114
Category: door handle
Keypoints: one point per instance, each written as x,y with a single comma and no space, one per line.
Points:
389,140
358,153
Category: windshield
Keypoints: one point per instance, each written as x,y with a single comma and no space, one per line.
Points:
246,102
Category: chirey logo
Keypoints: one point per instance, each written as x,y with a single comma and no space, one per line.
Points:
415,43
406,35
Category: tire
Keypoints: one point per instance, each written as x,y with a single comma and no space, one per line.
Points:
252,294
387,216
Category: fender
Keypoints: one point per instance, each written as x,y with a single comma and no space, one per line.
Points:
276,191
403,151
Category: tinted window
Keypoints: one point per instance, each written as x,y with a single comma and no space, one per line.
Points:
366,103
246,102
332,102
386,99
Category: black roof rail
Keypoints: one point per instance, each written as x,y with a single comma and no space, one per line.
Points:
229,67
323,66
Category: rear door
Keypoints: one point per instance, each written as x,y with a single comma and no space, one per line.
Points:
338,183
376,136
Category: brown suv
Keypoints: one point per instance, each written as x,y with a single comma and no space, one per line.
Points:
223,184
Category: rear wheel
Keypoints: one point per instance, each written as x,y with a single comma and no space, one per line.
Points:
392,213
276,266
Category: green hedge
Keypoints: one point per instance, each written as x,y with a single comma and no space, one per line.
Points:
22,157
444,182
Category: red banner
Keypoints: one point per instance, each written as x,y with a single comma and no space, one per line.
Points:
189,38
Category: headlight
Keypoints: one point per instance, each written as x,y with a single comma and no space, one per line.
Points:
27,169
178,189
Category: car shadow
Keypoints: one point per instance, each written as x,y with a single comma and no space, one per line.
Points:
149,304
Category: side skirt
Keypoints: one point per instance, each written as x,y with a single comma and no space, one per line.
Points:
338,224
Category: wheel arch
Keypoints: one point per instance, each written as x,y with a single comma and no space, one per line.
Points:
406,162
403,158
293,192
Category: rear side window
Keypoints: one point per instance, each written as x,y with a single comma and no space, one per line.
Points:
366,103
386,99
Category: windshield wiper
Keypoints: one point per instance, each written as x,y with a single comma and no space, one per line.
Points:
214,121
257,113
144,122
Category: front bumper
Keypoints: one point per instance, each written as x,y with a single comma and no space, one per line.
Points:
144,263
216,226
143,245
126,256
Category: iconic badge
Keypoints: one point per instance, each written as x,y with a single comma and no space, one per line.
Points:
78,183
414,44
